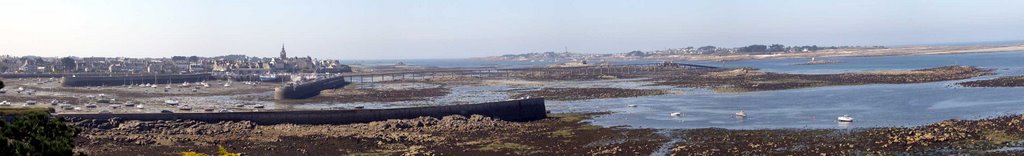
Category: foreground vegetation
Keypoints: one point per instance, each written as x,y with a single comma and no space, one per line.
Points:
32,132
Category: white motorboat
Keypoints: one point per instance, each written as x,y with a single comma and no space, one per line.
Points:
630,105
845,118
171,102
741,114
139,106
676,114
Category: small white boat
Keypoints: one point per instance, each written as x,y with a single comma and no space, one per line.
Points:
630,105
171,102
65,106
184,107
845,118
5,103
741,114
676,114
138,106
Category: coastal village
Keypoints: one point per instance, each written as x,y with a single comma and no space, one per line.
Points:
236,64
169,113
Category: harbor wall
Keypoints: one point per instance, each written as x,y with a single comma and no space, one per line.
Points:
47,75
308,89
515,110
80,81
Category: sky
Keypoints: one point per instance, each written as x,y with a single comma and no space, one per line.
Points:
423,29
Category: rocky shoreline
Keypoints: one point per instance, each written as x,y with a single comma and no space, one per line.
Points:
746,80
570,94
348,95
1008,81
560,134
475,135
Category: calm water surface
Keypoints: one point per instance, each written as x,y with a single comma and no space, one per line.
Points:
870,105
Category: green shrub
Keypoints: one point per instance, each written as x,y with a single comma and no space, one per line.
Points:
37,134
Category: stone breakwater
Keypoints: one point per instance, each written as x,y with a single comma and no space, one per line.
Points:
308,89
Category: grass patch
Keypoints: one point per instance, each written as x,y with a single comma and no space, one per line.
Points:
999,137
23,111
499,146
562,133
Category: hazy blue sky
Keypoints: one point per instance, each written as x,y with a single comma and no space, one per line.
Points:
378,29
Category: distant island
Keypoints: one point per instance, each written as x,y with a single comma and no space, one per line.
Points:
757,51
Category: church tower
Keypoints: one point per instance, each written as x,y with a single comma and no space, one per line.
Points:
283,54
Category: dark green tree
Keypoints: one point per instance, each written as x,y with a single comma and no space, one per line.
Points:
69,64
37,134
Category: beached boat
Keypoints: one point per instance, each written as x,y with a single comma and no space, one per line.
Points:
845,118
31,102
268,77
676,114
171,102
184,107
258,106
5,103
138,106
90,106
741,114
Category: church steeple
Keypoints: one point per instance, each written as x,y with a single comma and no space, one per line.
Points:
283,54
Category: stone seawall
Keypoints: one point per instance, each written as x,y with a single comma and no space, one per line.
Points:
308,89
516,110
115,80
47,75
